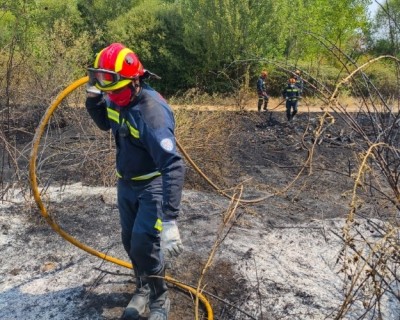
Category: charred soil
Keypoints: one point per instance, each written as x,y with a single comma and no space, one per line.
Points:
269,262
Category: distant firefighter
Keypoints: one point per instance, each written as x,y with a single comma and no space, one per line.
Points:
291,93
299,81
262,91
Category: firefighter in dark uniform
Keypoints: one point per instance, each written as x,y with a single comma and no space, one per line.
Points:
149,168
291,94
299,81
262,91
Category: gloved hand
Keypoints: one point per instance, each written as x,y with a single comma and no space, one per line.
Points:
171,242
92,90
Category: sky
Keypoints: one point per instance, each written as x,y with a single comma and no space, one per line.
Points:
373,7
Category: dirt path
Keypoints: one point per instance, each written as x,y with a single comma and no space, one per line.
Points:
275,104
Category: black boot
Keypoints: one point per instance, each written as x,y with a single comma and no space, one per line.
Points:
159,301
140,300
288,115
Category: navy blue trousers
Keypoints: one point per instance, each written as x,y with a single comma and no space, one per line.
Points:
140,209
291,104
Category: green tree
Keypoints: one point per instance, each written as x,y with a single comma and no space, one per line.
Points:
153,29
387,28
224,32
97,14
45,46
340,22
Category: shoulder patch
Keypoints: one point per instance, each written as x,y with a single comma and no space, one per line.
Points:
167,144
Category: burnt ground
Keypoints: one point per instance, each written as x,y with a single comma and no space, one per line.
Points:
277,259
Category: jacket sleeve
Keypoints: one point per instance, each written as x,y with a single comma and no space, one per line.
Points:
97,110
157,134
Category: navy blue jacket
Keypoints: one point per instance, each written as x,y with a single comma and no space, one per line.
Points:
291,92
261,88
145,142
299,84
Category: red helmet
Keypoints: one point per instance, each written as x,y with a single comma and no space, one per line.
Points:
115,67
292,80
264,73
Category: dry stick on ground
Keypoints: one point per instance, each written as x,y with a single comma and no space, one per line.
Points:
97,281
375,152
358,278
378,157
219,190
10,150
213,296
358,182
228,221
258,289
317,134
308,162
383,254
348,239
337,52
303,137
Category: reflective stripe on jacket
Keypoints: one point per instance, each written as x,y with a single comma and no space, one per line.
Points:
145,142
291,92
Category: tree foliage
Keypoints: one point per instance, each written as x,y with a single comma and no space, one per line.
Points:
212,45
45,45
387,28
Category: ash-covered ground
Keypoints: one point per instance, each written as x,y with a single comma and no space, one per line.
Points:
277,258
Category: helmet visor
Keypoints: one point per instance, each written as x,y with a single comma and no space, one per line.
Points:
105,79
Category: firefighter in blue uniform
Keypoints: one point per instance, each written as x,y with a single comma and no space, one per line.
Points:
291,94
263,97
149,168
299,81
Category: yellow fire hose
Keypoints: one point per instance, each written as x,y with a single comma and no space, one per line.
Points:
36,194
